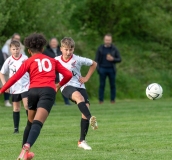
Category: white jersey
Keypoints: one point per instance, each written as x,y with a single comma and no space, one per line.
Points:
11,65
74,64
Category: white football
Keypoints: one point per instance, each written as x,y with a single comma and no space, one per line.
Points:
154,91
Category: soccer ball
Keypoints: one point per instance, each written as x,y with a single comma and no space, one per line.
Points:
154,91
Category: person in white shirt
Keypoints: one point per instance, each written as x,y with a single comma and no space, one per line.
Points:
6,51
75,89
6,46
19,90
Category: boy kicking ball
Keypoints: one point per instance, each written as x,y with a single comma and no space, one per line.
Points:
75,88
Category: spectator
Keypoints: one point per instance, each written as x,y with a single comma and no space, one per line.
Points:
53,50
107,56
6,95
6,47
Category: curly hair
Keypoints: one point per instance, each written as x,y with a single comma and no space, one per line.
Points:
35,42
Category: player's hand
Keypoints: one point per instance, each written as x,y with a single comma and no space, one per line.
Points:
7,91
83,79
57,87
109,57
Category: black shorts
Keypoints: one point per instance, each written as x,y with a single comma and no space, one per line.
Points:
43,97
19,97
68,91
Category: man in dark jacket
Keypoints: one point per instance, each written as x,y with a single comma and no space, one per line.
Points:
107,56
52,50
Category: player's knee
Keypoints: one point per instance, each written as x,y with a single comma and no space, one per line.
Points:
15,109
79,99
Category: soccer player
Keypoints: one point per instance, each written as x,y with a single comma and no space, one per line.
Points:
75,88
42,89
19,90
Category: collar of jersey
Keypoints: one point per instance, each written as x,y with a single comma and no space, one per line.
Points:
67,60
17,58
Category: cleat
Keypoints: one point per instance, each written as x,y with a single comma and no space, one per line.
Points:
24,152
93,123
30,155
16,131
84,145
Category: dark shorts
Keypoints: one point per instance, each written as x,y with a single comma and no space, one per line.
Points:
69,90
43,97
19,97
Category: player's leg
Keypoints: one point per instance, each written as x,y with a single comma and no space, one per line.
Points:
112,75
24,96
84,120
79,99
102,82
16,98
83,132
31,115
44,105
37,122
39,119
72,93
85,123
33,99
25,153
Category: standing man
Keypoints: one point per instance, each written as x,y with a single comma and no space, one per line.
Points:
107,56
53,50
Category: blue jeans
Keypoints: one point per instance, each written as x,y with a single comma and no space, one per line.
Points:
66,100
103,73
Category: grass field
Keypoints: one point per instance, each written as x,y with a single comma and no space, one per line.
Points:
128,130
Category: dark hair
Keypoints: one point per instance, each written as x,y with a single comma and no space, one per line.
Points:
108,34
35,42
15,43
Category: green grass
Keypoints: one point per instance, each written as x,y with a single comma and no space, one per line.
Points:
128,130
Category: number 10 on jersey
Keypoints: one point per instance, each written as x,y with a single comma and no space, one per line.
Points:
41,65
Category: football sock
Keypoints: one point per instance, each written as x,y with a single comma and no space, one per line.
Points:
26,132
34,132
84,109
27,113
16,119
84,129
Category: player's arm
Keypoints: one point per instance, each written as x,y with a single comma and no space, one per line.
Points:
21,71
89,73
2,77
4,70
67,75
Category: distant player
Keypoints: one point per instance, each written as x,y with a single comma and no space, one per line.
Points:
19,90
42,89
75,88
